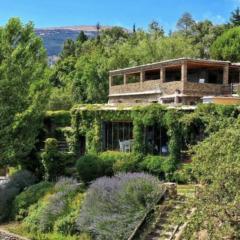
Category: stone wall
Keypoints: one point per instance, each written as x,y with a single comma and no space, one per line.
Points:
203,89
160,89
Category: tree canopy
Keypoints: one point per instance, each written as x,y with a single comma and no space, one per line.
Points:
227,46
23,89
216,164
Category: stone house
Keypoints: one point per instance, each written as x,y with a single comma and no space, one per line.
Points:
179,81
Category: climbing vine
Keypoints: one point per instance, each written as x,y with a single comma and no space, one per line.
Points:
87,120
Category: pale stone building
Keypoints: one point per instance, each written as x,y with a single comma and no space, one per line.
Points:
178,81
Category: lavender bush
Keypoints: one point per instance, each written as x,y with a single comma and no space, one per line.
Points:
11,189
43,215
114,206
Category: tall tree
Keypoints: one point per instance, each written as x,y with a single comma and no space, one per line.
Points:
185,23
68,48
82,37
227,46
23,89
235,17
155,28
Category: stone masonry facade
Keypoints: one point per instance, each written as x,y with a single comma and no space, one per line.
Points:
174,81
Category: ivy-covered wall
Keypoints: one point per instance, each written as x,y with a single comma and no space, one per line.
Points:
87,120
184,128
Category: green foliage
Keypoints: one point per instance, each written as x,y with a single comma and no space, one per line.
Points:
157,165
11,189
235,17
227,46
127,162
185,23
216,164
184,174
59,118
52,160
23,76
27,198
92,166
61,203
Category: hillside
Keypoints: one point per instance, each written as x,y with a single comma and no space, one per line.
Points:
55,37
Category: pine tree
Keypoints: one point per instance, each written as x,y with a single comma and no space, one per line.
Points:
134,28
82,37
235,17
185,23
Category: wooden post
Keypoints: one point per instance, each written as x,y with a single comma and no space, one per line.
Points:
226,75
124,78
162,74
142,78
184,72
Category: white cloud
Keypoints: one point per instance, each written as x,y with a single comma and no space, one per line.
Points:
215,18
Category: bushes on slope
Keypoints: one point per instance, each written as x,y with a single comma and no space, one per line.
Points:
52,160
24,200
45,213
92,166
114,206
11,189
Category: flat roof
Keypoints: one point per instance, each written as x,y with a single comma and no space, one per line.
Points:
155,64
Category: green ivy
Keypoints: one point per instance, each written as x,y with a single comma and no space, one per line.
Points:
87,120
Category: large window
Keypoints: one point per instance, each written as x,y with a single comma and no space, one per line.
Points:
206,75
234,76
133,78
172,74
152,75
117,80
118,136
156,140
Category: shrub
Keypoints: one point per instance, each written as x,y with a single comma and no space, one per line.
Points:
52,160
43,215
67,224
128,162
153,165
161,166
90,167
118,203
184,174
11,189
108,159
23,201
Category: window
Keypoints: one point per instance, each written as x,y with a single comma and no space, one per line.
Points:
117,80
234,76
133,78
152,75
172,74
116,134
156,140
205,75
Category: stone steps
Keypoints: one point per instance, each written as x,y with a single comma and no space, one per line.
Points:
5,235
164,227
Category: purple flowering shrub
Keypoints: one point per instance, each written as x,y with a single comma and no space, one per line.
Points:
45,213
8,191
114,206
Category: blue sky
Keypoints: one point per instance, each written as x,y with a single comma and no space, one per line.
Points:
48,13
